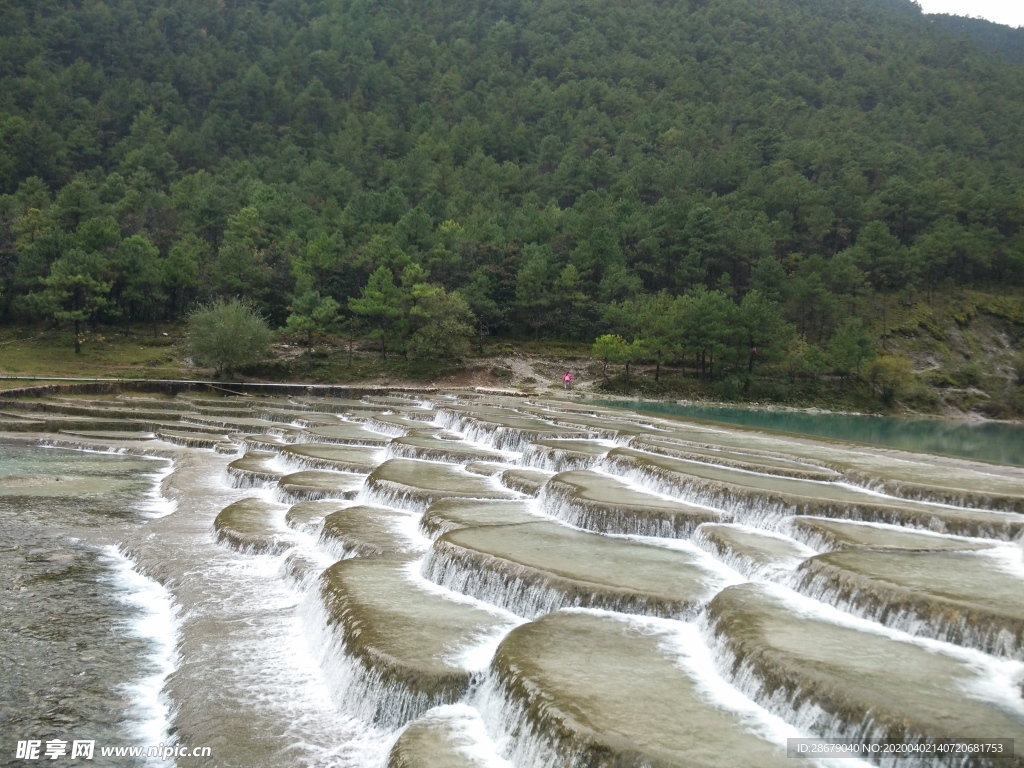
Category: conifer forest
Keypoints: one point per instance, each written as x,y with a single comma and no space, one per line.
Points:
729,188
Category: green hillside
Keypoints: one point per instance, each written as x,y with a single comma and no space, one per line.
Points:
696,179
998,38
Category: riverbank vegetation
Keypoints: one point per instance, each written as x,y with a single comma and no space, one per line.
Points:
774,198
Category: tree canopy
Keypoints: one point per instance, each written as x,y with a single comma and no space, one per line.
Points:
542,163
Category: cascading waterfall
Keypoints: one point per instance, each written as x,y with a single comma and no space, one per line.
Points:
200,440
401,451
156,625
384,493
536,732
461,726
399,565
385,428
507,585
949,623
453,421
481,433
302,571
246,479
79,445
945,496
758,510
560,501
367,694
298,495
507,719
527,592
823,714
751,567
554,460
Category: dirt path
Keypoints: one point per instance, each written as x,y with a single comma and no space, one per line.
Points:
533,374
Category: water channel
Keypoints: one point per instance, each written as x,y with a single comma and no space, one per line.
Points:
995,441
479,581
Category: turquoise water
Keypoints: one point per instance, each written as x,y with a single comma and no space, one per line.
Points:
987,441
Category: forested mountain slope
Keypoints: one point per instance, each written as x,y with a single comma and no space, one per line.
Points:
552,160
999,38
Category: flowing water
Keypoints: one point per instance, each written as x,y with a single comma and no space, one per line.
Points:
483,582
987,440
86,642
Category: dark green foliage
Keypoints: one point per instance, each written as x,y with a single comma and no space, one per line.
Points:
227,334
139,278
442,324
890,376
849,347
381,306
74,290
699,178
613,349
998,38
310,313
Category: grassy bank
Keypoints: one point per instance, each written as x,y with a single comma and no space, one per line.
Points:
105,353
963,352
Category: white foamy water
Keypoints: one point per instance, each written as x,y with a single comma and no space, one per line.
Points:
1008,559
786,525
156,623
685,643
472,438
468,734
157,505
247,670
252,662
408,527
867,490
476,655
295,687
725,574
414,573
276,672
77,445
997,679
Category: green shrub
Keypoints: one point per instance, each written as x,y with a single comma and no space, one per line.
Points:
1018,368
501,373
157,341
227,334
967,375
891,376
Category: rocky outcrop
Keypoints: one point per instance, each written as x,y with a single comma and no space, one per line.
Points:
753,552
365,531
396,641
765,499
525,569
451,514
959,597
575,690
315,484
248,526
414,485
842,682
606,504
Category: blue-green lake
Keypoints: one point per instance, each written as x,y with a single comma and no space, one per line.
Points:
987,441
